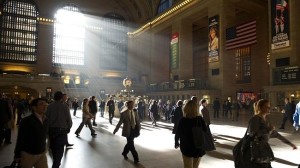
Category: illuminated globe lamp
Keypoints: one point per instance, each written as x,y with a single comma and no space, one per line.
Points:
127,84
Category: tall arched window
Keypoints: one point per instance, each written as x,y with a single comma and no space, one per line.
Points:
18,31
164,5
69,34
243,65
113,43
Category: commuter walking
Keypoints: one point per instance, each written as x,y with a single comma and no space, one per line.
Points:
153,110
167,108
93,109
176,115
141,109
287,113
296,117
111,109
206,117
120,105
216,107
60,123
131,128
30,150
102,107
191,155
86,119
225,110
260,128
65,100
75,105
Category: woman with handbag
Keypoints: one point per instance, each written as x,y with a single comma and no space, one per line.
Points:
190,141
260,130
86,119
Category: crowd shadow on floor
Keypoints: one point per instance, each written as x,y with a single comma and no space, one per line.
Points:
285,162
158,126
227,156
220,155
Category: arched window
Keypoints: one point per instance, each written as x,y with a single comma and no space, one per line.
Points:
18,31
113,43
164,5
243,65
69,34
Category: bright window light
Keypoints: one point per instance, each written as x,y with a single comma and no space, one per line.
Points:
69,36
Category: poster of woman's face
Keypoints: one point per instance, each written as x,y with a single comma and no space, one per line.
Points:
213,39
212,33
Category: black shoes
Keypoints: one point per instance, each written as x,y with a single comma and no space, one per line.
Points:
69,145
77,135
136,161
281,128
125,156
94,124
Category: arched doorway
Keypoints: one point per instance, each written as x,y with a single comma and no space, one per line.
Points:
15,91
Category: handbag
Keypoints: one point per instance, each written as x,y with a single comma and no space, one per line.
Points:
261,151
14,165
198,136
241,152
208,141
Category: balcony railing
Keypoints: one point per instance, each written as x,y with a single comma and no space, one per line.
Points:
286,75
191,84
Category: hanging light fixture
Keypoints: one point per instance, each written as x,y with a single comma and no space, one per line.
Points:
67,80
77,80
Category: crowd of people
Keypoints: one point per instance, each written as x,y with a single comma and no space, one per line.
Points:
54,122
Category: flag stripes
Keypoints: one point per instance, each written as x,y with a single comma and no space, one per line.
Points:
240,36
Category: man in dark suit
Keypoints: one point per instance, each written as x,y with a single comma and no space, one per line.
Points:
131,128
216,107
287,113
93,109
111,109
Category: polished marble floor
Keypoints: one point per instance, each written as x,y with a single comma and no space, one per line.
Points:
155,146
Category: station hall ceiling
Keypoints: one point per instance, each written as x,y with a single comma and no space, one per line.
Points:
136,11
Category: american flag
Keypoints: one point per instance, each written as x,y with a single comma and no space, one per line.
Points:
241,36
281,4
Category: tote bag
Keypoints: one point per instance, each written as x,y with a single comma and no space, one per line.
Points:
208,141
198,135
261,151
242,152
